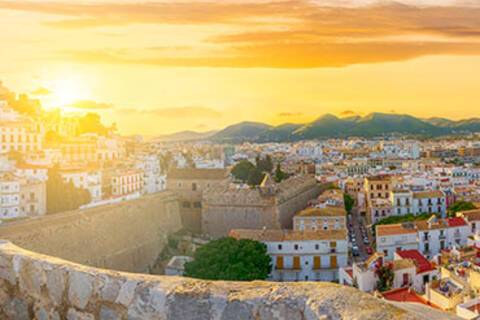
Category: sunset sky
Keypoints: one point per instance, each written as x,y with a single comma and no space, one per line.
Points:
157,67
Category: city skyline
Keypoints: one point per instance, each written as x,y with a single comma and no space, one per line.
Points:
161,67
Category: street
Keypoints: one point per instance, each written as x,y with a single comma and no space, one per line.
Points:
358,224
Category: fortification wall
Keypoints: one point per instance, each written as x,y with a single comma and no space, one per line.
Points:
34,286
128,236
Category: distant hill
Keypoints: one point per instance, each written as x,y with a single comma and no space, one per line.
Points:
331,126
242,131
184,136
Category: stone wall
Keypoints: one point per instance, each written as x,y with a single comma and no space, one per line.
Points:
128,236
227,207
34,286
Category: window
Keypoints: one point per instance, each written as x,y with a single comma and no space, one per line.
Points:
317,247
296,262
197,205
295,246
279,265
194,187
186,204
279,247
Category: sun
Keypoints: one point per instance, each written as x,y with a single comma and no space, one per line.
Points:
66,91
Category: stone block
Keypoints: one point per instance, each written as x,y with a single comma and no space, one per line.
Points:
80,288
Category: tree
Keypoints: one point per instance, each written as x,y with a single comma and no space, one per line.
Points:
241,171
91,123
385,277
349,202
265,164
255,177
460,206
64,196
279,174
230,259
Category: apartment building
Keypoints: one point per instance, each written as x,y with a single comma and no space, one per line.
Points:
88,178
320,218
18,133
302,255
20,197
428,236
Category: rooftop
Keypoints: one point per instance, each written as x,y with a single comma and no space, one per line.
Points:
422,264
287,235
327,211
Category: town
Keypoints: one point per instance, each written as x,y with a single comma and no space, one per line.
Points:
397,218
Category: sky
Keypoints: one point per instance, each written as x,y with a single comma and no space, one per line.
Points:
157,67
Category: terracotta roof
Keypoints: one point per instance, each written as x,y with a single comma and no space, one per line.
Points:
287,235
422,264
207,174
394,229
456,222
405,295
322,212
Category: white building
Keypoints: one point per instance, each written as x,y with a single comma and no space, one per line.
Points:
85,178
427,236
153,179
302,255
18,133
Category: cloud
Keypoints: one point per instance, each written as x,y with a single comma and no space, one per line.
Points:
348,113
301,55
41,92
176,112
91,105
277,34
289,114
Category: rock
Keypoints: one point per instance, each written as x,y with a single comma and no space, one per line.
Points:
148,303
127,292
31,278
73,314
56,280
110,290
107,313
17,309
237,310
80,288
6,270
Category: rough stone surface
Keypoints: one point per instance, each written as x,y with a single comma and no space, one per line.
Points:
92,294
73,314
107,313
80,288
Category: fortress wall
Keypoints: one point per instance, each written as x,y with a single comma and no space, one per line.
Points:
287,209
128,236
34,286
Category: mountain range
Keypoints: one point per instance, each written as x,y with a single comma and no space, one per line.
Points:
330,126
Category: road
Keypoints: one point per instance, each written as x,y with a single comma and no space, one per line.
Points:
357,222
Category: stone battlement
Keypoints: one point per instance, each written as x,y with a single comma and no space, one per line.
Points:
34,286
127,236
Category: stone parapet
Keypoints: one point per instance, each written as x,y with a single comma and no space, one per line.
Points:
34,286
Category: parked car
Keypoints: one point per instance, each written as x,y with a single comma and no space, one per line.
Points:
355,251
369,250
365,240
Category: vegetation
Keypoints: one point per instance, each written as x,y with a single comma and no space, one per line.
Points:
279,174
247,172
230,259
385,277
460,206
349,202
242,170
63,196
91,123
